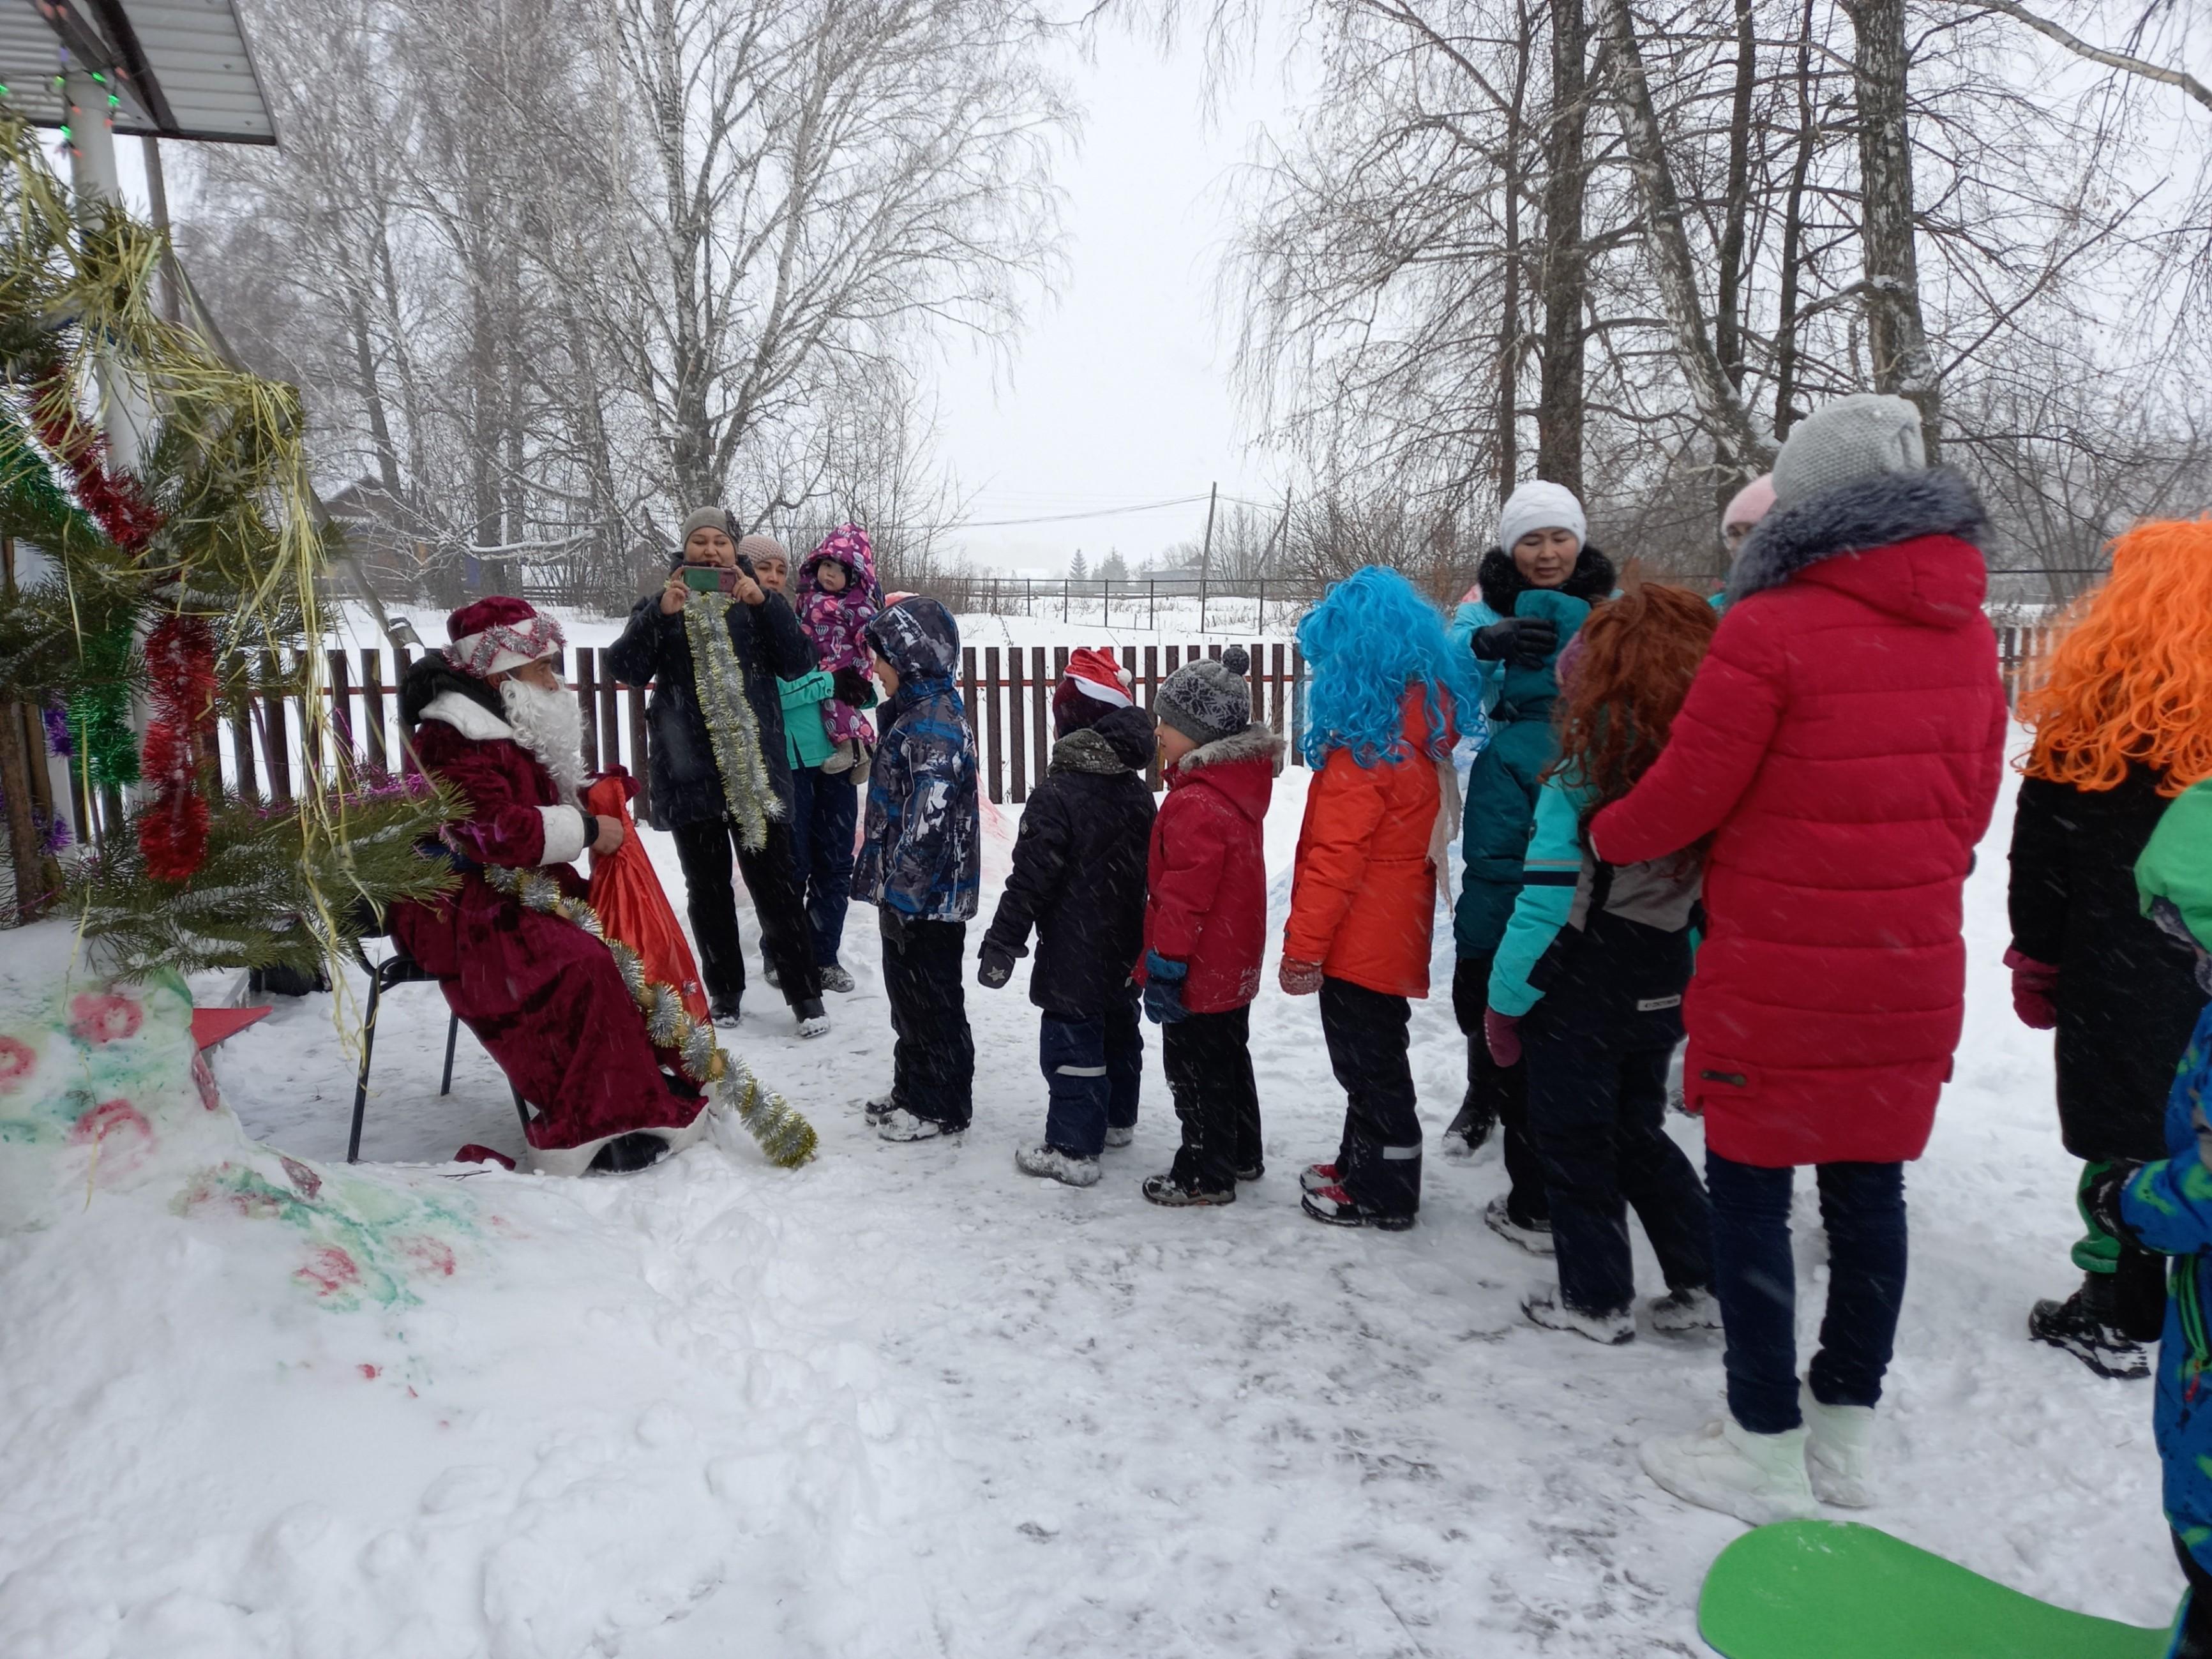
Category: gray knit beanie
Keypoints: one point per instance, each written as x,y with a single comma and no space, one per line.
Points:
1207,700
703,518
1861,436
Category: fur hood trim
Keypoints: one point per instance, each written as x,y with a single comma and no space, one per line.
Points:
431,677
1856,518
1501,582
1084,750
467,716
1120,740
1255,742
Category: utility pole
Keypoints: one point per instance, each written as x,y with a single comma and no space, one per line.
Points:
1205,552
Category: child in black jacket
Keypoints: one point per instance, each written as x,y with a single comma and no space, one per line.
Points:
1079,877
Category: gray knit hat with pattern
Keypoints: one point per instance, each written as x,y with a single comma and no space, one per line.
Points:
1847,441
1207,700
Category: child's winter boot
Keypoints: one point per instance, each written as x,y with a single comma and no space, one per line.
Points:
1838,1450
1690,1308
2086,1326
1051,1164
1757,1478
1543,1308
1534,1237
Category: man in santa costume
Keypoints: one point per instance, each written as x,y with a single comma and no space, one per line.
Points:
492,721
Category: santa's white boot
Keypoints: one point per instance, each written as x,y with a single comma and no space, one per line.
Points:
1757,1478
1839,1451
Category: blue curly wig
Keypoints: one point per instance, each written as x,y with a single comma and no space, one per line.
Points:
1370,637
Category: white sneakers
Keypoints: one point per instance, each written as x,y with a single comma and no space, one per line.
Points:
900,1124
1838,1450
1757,1478
1116,1135
1052,1164
1762,1478
1542,1307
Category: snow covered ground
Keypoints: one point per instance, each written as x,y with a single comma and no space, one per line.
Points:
906,1401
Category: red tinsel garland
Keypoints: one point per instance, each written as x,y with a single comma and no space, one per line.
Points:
112,498
180,663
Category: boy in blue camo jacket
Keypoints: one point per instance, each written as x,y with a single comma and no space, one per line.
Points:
2166,1206
921,866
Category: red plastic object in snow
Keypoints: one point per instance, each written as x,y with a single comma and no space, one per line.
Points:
632,907
214,1025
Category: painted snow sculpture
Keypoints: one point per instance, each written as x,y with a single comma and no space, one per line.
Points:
104,1098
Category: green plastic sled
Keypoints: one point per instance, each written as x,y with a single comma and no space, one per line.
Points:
1822,1590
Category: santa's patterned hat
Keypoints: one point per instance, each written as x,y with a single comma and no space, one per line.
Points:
1091,685
499,633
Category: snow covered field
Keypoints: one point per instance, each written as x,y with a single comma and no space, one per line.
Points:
906,1401
1088,623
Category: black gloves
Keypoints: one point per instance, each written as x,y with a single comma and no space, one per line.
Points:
892,926
1523,641
996,966
853,687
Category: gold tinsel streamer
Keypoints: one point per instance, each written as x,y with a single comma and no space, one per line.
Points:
735,733
787,1139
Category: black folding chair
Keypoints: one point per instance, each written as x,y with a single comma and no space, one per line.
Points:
400,969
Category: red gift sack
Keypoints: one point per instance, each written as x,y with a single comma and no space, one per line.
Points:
632,907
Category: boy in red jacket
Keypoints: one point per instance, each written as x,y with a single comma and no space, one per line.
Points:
1205,922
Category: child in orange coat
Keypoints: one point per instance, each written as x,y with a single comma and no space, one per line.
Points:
1380,722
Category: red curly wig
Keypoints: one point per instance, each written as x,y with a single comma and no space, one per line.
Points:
1632,664
2129,676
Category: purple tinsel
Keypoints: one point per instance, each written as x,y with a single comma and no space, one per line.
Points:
57,731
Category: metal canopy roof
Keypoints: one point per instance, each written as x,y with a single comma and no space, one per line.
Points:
180,68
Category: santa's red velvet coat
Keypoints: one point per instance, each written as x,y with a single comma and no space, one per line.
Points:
1842,745
542,996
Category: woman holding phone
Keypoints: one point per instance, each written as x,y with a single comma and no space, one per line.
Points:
713,642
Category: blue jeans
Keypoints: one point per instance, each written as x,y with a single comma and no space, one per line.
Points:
824,812
1863,1206
1093,1070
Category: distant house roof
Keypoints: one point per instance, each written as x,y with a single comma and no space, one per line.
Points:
178,69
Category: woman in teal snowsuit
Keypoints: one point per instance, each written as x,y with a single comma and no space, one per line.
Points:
1535,586
2166,1206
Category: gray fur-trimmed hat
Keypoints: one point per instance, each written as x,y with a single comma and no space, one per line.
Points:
1207,700
1861,436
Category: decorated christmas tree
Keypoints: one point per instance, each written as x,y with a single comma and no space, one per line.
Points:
174,586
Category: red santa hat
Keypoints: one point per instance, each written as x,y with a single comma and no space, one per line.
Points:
1092,684
499,633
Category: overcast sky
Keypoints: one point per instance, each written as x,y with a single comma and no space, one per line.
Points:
1119,391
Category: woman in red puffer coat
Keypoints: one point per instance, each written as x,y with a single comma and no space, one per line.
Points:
1841,748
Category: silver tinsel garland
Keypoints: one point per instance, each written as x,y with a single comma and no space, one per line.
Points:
720,679
787,1138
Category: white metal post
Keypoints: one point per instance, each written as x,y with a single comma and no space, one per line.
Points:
124,414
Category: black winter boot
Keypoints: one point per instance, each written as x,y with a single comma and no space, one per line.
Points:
1477,1120
2083,1325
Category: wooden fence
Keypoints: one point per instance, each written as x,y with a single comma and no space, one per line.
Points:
265,743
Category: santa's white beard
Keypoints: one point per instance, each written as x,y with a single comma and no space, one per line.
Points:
551,725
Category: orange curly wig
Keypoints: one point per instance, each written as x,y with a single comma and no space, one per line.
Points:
2129,676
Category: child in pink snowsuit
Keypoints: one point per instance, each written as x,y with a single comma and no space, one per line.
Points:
837,599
